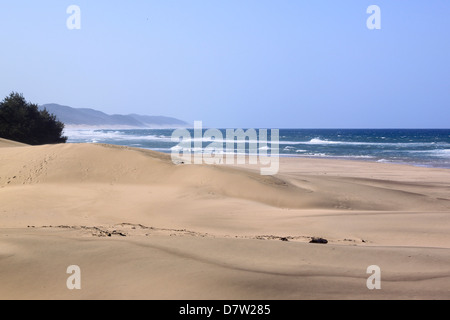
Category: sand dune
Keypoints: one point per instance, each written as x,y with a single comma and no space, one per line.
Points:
8,143
140,226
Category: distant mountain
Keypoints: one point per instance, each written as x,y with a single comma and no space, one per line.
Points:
94,118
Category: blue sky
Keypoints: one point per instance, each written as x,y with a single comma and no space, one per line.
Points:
246,63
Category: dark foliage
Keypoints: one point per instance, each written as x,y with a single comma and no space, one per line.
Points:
23,122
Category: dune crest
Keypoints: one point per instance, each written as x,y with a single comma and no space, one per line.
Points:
4,143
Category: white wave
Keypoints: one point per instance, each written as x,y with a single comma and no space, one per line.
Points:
96,136
318,141
440,153
325,155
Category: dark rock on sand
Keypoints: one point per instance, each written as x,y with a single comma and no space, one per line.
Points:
319,240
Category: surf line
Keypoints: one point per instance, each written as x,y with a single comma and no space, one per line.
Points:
190,149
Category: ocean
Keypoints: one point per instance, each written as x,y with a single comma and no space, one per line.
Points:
419,147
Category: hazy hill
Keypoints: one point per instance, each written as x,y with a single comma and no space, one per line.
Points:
90,117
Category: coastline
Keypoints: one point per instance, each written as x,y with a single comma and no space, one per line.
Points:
141,227
427,148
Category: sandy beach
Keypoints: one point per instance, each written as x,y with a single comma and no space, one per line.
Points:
141,227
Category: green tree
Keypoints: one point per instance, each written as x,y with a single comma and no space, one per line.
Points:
23,122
